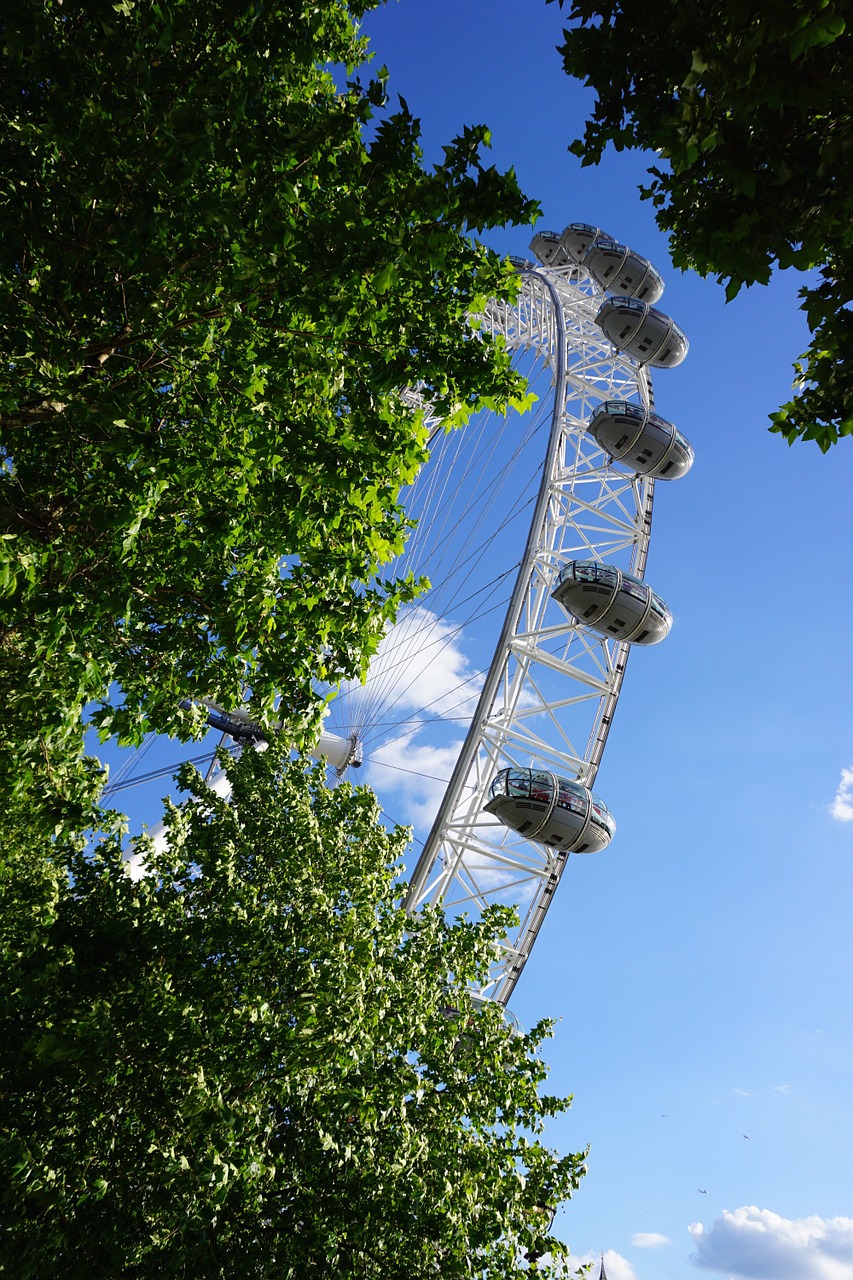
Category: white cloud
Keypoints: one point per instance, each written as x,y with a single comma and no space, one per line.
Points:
425,688
617,1267
420,692
411,778
841,808
757,1244
420,666
781,1088
648,1240
742,1093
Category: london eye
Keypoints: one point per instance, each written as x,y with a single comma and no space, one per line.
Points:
485,713
540,523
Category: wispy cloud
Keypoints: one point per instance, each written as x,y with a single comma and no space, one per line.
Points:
841,808
781,1088
742,1093
648,1240
754,1244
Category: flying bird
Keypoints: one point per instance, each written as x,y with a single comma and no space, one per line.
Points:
702,1191
746,1135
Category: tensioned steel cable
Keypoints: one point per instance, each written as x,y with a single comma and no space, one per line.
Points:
378,687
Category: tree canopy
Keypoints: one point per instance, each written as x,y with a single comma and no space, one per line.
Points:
250,1062
747,104
219,267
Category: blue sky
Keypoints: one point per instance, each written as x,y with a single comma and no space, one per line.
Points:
700,967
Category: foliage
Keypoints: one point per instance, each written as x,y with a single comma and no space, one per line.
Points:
749,103
250,1062
217,269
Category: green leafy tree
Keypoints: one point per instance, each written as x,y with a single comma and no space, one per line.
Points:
218,268
251,1062
747,103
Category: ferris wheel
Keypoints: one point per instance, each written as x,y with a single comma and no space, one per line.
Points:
540,525
484,715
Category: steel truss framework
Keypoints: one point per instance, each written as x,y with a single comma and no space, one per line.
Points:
551,691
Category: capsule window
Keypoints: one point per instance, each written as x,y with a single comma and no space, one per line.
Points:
641,637
667,467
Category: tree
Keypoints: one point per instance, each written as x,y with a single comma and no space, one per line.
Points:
748,102
251,1062
218,270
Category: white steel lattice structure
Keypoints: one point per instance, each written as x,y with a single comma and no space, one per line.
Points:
549,695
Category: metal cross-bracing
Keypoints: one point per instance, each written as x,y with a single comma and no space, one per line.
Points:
549,696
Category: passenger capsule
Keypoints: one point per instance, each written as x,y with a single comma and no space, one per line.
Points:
642,440
546,245
554,811
644,332
612,602
617,268
578,237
